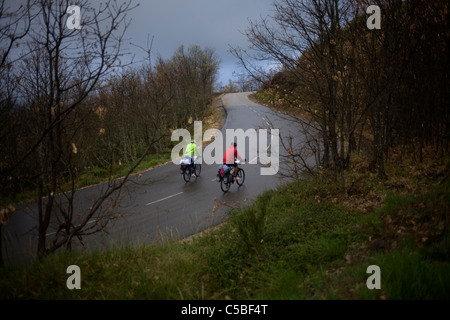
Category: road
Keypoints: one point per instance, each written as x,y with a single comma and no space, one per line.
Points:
158,204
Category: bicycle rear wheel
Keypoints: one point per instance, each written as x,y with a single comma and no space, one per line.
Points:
187,174
240,178
225,183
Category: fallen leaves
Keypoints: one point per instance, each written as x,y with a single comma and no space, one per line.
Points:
74,148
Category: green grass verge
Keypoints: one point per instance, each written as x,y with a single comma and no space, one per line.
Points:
97,175
291,243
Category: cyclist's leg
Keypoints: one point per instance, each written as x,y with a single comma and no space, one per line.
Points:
235,166
184,165
231,165
192,165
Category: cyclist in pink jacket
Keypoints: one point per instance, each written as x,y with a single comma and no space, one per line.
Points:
230,156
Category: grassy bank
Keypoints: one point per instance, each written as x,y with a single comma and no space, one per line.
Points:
302,241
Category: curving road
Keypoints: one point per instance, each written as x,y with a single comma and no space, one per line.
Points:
158,203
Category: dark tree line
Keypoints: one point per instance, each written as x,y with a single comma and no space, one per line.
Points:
145,102
363,88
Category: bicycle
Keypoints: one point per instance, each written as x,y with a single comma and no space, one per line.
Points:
228,179
188,168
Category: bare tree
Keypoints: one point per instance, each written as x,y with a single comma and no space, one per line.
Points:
72,111
382,87
14,26
64,68
308,40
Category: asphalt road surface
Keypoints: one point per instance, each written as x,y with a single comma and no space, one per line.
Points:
158,204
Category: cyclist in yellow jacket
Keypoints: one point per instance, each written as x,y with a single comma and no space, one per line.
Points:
191,150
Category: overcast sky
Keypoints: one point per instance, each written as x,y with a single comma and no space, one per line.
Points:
215,24
207,23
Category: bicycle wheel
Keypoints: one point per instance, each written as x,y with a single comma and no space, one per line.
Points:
240,178
225,183
197,169
187,174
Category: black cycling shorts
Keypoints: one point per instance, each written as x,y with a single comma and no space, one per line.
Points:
231,165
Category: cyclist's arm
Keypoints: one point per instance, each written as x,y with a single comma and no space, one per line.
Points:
236,155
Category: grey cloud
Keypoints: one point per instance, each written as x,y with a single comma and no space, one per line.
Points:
207,23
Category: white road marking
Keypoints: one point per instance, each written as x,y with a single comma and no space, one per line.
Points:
266,121
148,204
174,195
